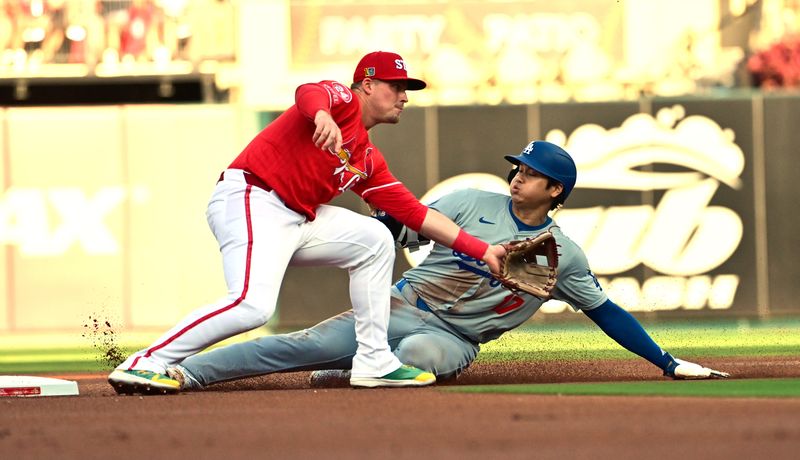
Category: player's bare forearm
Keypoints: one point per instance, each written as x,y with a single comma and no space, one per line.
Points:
444,231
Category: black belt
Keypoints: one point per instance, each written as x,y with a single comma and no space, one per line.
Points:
419,303
250,179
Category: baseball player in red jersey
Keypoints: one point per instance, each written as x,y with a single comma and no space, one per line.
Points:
268,211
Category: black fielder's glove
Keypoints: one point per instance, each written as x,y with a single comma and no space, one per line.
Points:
404,237
530,265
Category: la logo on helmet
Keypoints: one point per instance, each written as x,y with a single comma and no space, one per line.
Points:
528,148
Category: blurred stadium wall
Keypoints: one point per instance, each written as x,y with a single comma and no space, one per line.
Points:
112,138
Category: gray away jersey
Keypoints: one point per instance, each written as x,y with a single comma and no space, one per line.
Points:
461,291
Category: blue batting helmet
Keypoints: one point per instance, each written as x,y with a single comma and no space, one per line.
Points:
550,160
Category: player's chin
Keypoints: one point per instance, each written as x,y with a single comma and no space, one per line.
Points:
517,198
392,119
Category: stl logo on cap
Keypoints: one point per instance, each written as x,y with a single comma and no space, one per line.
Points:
387,66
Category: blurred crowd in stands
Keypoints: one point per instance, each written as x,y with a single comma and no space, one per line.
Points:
113,32
774,61
114,35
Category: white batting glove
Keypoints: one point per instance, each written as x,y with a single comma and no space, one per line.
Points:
691,371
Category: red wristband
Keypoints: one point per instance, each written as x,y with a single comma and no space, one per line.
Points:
469,245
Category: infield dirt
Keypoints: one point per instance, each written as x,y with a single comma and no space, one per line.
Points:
279,416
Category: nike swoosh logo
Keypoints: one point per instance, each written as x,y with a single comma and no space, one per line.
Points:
484,221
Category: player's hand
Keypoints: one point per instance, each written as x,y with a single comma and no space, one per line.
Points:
327,135
493,257
681,369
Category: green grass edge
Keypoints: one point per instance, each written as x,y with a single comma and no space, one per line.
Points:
746,388
532,342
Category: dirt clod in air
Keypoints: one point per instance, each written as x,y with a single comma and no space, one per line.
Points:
103,338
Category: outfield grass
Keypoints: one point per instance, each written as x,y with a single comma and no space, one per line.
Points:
68,353
701,339
749,388
37,353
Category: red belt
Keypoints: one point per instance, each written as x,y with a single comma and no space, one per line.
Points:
250,179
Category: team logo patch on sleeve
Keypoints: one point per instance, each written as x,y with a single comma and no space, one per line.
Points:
343,92
332,92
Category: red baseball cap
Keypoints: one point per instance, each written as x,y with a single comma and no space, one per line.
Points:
384,65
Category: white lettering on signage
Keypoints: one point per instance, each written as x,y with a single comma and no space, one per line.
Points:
682,238
664,293
608,159
401,33
539,32
47,222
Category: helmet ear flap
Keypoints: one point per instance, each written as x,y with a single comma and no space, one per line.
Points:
513,172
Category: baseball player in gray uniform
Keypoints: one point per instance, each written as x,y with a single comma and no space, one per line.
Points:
445,308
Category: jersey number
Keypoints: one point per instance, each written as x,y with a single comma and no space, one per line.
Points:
509,302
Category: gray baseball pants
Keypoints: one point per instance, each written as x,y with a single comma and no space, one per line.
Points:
416,336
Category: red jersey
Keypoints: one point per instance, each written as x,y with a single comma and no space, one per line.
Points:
284,157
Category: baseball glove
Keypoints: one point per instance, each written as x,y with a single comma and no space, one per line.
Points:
530,265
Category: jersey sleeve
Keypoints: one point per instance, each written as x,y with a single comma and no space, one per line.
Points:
452,204
576,283
325,95
383,191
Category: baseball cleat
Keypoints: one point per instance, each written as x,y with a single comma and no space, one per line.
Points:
404,376
142,382
330,378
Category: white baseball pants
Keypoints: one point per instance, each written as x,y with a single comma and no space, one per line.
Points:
259,237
